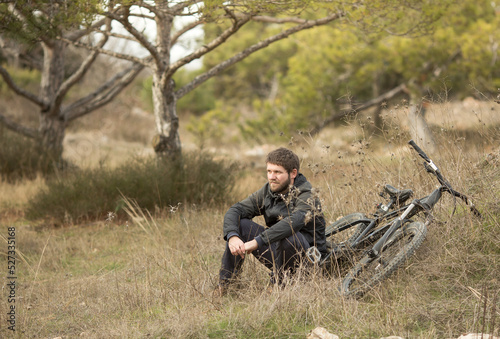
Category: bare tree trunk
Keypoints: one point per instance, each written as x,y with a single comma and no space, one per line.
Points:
52,132
52,126
419,130
167,143
54,85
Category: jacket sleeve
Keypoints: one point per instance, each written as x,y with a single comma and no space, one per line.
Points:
245,209
301,209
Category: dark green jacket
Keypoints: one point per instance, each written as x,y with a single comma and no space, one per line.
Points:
296,211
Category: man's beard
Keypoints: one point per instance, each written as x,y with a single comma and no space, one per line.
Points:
281,188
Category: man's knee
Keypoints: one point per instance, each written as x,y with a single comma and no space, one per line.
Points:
295,242
250,229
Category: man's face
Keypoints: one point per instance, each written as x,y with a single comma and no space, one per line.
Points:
279,179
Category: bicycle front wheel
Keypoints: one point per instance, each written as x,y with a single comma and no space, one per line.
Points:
369,272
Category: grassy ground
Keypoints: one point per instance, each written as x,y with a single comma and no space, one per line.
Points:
153,275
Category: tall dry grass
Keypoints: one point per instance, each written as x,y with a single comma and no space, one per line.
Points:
153,275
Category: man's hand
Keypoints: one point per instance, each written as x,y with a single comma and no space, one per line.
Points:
251,246
236,246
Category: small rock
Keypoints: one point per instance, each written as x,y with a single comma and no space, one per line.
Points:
321,333
477,336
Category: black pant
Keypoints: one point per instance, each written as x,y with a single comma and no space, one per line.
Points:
281,256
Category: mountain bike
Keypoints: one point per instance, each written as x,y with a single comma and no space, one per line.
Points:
375,247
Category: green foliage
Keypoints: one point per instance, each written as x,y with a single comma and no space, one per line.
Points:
29,21
198,101
344,65
211,125
439,49
271,122
253,77
152,183
215,10
398,17
22,158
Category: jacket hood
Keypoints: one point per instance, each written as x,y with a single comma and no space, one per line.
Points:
299,180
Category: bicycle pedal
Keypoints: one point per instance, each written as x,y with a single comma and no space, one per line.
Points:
314,255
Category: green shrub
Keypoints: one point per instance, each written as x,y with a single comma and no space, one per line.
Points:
152,183
21,157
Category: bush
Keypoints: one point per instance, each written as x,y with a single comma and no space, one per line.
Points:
21,157
152,183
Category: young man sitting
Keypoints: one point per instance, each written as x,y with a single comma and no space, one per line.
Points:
292,215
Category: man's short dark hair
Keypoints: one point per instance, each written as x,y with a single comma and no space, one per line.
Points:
285,158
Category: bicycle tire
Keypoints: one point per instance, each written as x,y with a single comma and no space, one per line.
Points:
330,229
369,272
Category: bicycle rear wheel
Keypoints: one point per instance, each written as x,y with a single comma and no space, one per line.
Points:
339,239
371,271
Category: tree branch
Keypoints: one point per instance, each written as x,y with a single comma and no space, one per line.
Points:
76,35
207,48
19,91
106,52
142,16
82,70
13,126
378,100
141,39
273,20
103,94
370,103
118,35
179,8
22,18
252,49
185,29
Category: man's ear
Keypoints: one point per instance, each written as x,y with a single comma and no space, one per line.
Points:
293,173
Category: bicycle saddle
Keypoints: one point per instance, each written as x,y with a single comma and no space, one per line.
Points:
400,196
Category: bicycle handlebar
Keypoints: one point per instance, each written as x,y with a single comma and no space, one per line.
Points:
424,156
419,151
441,179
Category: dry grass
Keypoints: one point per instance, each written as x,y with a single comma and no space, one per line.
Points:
153,275
14,197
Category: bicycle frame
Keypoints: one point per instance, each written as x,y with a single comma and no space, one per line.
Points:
401,214
387,240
